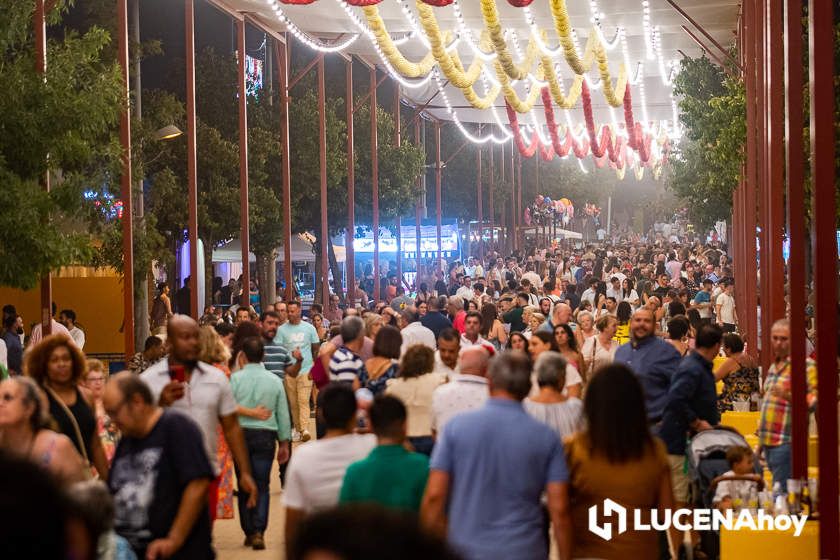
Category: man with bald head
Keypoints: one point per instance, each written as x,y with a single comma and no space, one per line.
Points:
203,393
653,360
561,314
467,391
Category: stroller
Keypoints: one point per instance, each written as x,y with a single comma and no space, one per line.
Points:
706,462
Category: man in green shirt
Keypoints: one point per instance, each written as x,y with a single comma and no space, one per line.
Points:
391,475
254,386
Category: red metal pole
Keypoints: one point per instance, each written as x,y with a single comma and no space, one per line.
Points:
520,233
490,198
397,140
751,179
480,202
417,210
514,233
821,72
125,185
504,217
374,158
283,74
775,159
192,177
763,212
40,24
244,222
794,164
350,255
322,153
438,189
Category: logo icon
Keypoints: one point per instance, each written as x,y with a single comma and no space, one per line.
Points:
611,509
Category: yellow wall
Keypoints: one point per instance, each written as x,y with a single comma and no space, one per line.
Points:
97,300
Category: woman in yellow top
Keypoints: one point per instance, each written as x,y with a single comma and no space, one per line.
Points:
622,331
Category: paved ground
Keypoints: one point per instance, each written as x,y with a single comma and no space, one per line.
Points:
228,536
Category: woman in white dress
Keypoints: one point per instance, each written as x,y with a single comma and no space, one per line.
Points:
599,350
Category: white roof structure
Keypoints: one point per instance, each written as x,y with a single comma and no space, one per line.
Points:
653,38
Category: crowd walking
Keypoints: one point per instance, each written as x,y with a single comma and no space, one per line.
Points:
479,419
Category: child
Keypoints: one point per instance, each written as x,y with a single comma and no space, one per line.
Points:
740,460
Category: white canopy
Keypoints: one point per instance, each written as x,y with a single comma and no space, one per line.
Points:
301,251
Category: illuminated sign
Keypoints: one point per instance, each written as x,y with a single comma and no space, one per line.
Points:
428,241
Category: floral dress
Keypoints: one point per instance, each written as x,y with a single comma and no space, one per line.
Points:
224,507
108,432
738,386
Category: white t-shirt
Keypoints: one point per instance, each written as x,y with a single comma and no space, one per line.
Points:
443,369
416,333
572,378
732,488
467,392
316,470
208,397
78,336
727,308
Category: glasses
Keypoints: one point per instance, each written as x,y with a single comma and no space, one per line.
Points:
96,380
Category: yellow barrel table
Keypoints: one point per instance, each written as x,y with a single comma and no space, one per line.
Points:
771,545
745,422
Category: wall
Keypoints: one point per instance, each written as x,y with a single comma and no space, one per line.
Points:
97,301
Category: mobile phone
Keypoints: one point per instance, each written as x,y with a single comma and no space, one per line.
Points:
177,373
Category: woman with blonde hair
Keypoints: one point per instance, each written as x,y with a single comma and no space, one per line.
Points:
414,387
212,350
373,322
599,350
57,365
24,431
94,379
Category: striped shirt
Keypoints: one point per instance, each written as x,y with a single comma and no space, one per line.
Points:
774,425
277,358
346,365
565,417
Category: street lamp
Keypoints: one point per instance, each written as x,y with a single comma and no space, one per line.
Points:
168,132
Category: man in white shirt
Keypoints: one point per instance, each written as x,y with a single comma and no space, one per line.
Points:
725,308
532,277
467,392
203,393
55,328
589,293
465,292
614,288
316,470
67,317
446,356
472,332
413,332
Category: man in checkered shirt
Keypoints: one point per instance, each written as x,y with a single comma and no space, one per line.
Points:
774,427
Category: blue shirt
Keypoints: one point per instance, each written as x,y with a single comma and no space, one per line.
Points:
499,460
254,386
301,336
435,321
654,362
692,395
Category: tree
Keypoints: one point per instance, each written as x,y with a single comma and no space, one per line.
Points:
65,124
706,164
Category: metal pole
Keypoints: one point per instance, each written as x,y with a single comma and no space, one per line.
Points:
125,185
322,153
764,260
490,199
794,165
519,231
283,74
821,72
350,255
374,159
514,236
192,177
751,180
244,221
609,215
480,202
438,189
397,139
504,217
417,216
40,24
775,159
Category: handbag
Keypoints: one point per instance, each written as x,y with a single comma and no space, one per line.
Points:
79,439
320,376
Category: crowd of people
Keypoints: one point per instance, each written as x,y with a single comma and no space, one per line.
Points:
476,415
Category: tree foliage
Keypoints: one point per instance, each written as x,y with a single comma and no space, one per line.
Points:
706,164
65,124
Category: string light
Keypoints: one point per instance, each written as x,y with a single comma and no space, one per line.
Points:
304,37
466,33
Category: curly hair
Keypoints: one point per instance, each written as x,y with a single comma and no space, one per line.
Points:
39,356
417,360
